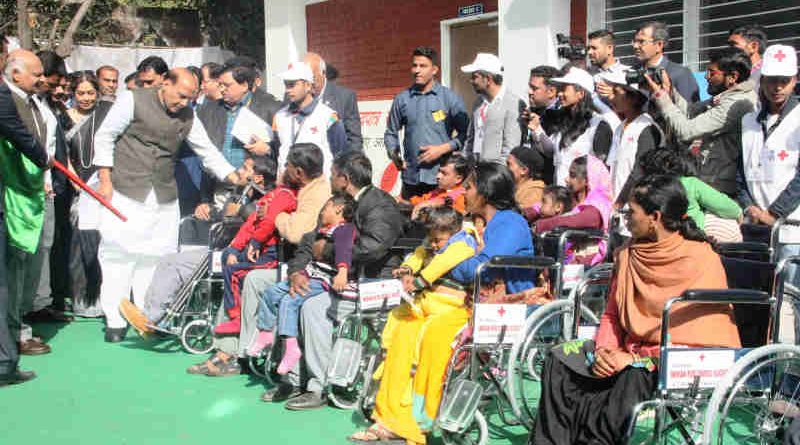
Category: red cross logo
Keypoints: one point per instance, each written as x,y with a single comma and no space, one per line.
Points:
702,357
630,138
501,311
314,130
783,155
779,55
290,66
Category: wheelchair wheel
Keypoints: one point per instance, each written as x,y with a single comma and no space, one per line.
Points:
546,327
758,398
477,433
197,338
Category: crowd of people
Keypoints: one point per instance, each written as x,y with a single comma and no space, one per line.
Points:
629,151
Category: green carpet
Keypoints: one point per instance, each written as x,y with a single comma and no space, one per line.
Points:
89,392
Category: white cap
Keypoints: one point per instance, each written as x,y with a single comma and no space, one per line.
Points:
618,78
577,76
298,71
779,60
484,62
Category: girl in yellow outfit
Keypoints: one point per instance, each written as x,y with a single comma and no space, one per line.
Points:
417,338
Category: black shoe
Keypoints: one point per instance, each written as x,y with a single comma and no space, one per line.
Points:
280,393
306,401
16,377
115,335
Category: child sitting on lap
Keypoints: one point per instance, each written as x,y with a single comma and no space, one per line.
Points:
326,274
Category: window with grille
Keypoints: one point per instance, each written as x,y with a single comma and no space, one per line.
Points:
624,16
707,24
780,19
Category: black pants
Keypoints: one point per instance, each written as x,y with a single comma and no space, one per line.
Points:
410,190
60,254
8,347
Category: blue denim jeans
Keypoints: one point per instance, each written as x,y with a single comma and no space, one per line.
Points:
279,308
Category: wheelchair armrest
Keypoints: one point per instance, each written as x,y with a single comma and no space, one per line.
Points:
404,244
725,296
586,233
533,262
747,246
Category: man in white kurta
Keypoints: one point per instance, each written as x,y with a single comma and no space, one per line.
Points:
136,149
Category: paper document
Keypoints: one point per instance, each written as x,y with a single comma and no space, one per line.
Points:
247,125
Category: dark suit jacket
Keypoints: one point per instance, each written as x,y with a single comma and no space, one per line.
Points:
379,224
344,103
682,79
12,128
214,117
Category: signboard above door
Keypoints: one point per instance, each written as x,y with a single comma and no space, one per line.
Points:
476,9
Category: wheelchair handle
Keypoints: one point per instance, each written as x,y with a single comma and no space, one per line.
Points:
711,296
533,262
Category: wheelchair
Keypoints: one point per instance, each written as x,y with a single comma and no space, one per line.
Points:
747,395
555,322
480,371
190,317
357,350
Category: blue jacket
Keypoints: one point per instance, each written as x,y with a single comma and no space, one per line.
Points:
507,233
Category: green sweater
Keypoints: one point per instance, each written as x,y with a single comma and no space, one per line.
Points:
704,198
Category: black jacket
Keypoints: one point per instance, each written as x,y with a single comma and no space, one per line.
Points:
379,224
12,128
343,101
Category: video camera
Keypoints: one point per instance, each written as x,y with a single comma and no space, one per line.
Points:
570,48
636,75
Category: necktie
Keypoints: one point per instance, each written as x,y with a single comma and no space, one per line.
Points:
38,122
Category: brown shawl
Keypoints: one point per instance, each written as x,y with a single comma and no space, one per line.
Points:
649,274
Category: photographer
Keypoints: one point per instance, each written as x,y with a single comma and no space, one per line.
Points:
649,44
715,122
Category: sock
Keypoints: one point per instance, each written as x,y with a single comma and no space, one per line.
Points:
291,356
262,340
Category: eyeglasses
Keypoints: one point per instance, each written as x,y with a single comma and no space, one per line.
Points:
641,42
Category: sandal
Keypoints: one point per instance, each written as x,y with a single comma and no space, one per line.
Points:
377,433
203,368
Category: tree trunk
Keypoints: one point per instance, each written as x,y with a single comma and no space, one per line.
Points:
65,47
24,31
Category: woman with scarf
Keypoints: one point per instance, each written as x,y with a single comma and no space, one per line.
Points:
589,387
84,268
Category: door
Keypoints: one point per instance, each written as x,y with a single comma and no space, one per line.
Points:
466,40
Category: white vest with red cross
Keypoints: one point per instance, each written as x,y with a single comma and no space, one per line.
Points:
311,129
769,165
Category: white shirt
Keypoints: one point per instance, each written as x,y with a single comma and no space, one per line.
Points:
118,119
50,122
617,67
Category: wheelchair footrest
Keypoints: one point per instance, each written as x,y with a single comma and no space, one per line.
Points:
346,362
458,411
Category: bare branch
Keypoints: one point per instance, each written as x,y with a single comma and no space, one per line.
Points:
65,47
24,31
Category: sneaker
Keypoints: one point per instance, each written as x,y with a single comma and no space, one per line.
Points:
229,327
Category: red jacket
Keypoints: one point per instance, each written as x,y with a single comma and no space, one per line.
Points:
262,230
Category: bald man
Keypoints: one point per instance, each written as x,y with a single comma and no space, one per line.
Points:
23,157
136,149
342,100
